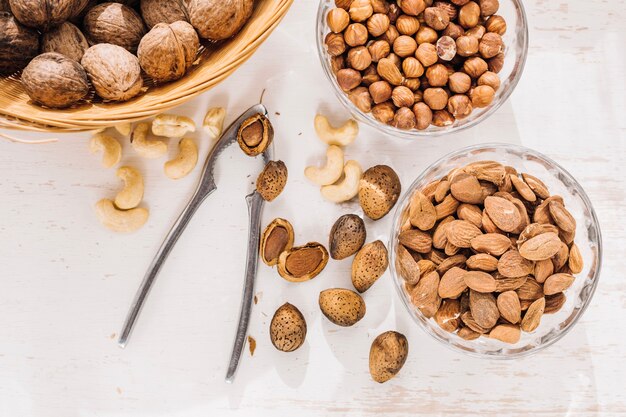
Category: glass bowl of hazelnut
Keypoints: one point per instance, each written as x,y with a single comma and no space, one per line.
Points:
422,67
496,251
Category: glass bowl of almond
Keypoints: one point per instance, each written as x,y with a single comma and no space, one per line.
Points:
496,250
414,68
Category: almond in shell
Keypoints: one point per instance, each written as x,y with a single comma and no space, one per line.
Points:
287,328
387,355
302,263
369,264
347,236
342,307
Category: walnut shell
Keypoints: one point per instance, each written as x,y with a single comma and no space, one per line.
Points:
168,50
163,11
113,71
4,6
219,19
114,23
54,80
18,44
45,14
67,40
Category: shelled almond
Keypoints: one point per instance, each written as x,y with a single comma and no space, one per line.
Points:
501,248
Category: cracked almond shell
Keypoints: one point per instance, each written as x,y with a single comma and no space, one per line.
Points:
287,328
272,180
342,307
347,236
302,263
379,189
387,355
277,238
255,134
369,264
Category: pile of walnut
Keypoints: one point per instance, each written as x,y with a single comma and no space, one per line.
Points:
486,251
108,45
413,63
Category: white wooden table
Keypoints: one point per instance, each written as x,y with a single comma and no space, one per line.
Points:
66,283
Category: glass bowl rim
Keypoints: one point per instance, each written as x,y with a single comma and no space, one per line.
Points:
392,244
388,130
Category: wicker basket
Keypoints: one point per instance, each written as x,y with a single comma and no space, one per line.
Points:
215,63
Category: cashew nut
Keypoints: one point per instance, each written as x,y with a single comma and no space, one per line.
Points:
214,122
109,146
144,147
346,188
329,173
340,136
123,128
120,220
172,126
132,193
184,162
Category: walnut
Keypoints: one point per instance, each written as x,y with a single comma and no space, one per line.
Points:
67,40
113,71
168,50
45,14
4,6
114,23
163,11
219,19
54,80
18,44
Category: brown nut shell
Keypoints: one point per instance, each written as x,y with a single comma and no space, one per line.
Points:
255,134
379,189
114,23
18,44
45,14
342,307
347,236
163,11
287,328
219,19
272,180
277,238
369,264
387,355
302,263
67,40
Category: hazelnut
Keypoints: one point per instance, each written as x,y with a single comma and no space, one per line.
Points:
348,79
496,24
482,96
380,6
378,50
477,32
436,98
426,35
469,15
389,71
459,3
459,106
393,13
359,58
337,63
437,75
446,48
380,91
496,63
442,118
418,96
335,44
402,97
404,119
361,98
343,4
407,25
384,112
391,35
436,18
355,34
412,84
360,10
459,82
491,79
18,44
466,45
404,46
412,68
488,7
453,30
370,75
490,45
423,115
114,23
449,8
378,24
395,59
412,7
474,66
338,19
427,54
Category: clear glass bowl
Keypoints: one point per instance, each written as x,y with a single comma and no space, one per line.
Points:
588,239
516,43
